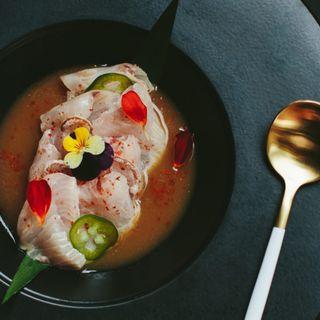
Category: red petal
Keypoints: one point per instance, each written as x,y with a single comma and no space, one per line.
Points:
39,198
134,108
183,148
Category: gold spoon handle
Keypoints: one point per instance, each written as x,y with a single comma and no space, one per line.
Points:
289,193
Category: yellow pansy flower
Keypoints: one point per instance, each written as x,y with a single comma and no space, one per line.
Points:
77,143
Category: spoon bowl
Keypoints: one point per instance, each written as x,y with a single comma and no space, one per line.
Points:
293,145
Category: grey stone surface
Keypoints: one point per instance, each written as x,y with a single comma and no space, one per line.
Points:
260,55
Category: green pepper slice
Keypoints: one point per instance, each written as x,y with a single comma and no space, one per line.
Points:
92,235
114,82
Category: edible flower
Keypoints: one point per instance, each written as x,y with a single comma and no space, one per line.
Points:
79,142
183,147
134,108
39,198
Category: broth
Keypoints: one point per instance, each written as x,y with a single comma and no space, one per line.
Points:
162,204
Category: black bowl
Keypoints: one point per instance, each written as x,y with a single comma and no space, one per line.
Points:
98,42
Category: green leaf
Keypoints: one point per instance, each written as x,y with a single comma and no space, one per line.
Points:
28,269
153,53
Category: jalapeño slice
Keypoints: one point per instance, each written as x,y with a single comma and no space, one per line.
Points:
115,82
92,235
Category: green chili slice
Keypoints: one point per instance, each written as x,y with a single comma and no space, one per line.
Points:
92,235
112,82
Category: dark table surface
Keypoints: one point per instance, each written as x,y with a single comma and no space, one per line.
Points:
260,55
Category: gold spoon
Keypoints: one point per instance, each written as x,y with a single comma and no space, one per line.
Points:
293,149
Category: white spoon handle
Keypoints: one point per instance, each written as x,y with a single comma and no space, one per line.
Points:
261,289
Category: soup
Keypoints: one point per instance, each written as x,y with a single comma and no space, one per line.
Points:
162,203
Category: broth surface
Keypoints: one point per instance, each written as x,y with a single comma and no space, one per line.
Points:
162,203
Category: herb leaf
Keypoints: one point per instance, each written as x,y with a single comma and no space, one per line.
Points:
27,270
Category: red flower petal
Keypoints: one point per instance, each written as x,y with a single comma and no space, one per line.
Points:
39,198
183,148
134,108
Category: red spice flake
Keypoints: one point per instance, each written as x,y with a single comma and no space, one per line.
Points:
39,198
183,147
134,108
12,159
99,186
167,171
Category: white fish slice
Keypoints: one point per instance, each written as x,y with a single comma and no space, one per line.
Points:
85,106
57,247
80,106
28,227
128,148
153,138
118,125
49,242
78,82
46,153
121,207
106,101
155,129
108,196
128,161
65,195
137,179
